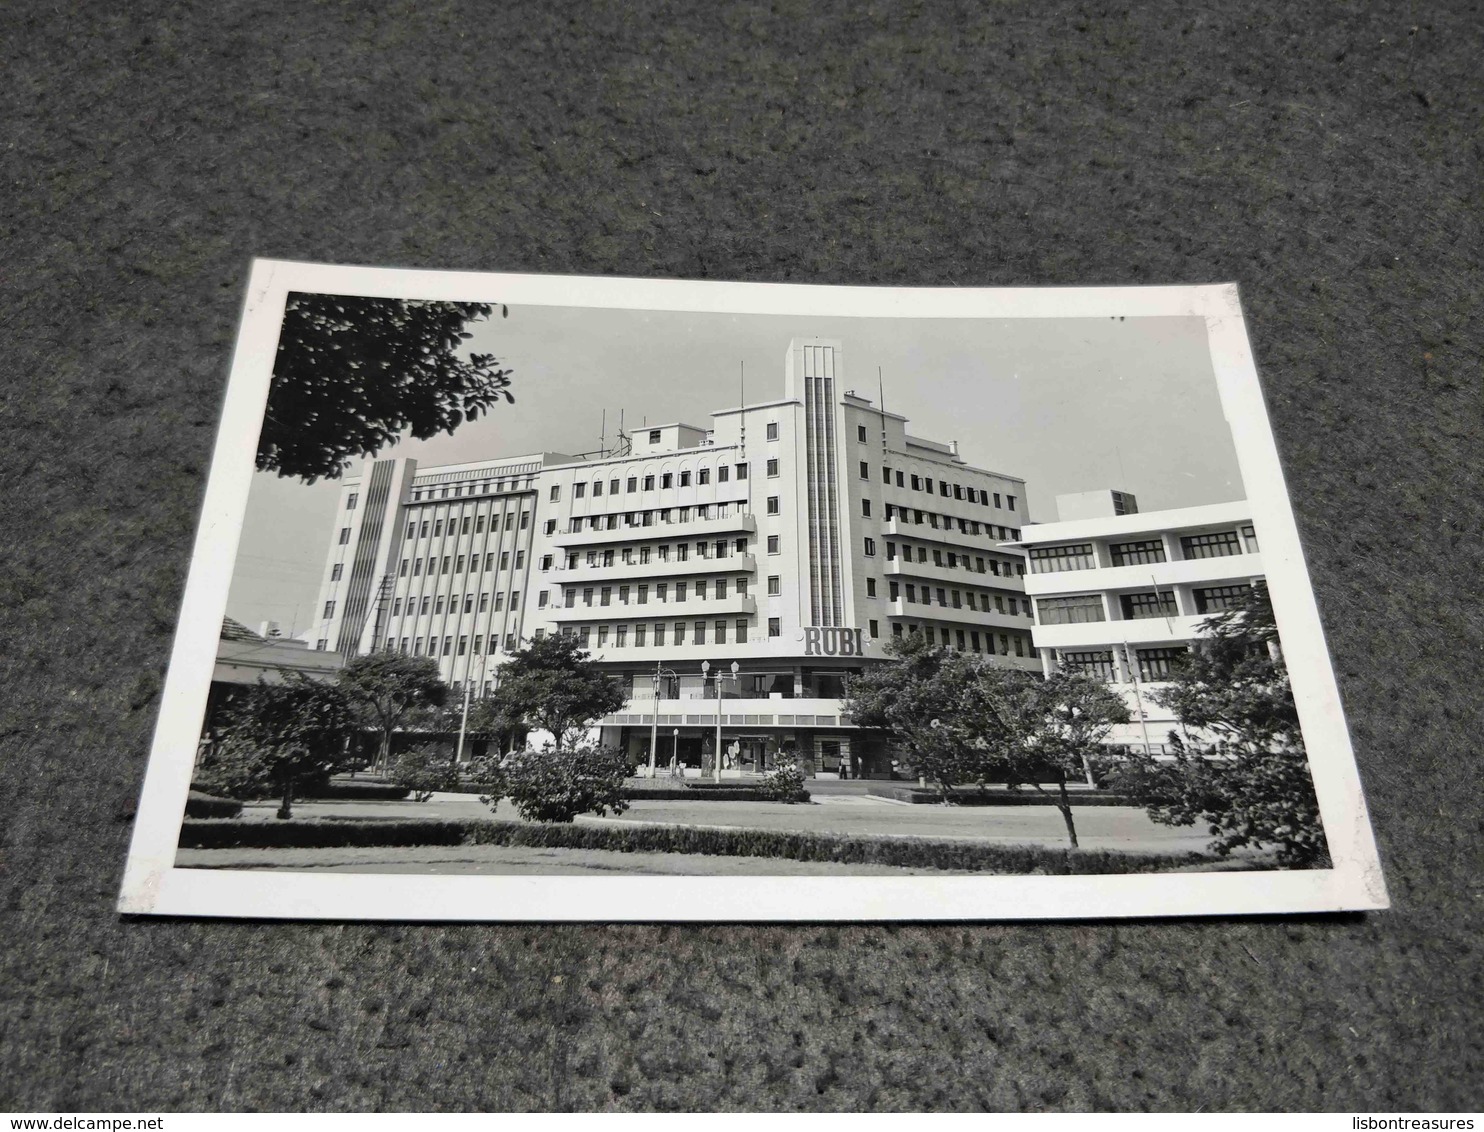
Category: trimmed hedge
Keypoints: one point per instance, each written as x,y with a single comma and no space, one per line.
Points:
971,797
343,790
199,805
701,794
901,852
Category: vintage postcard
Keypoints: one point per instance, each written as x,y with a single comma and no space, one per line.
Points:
525,597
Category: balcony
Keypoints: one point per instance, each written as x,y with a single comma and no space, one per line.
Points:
952,575
643,572
975,618
732,605
1103,634
735,713
949,536
1190,571
737,522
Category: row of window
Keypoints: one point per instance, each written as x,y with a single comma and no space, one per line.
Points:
702,588
949,560
1083,608
413,606
966,640
964,526
414,646
613,520
664,480
1080,556
944,488
660,633
1154,663
468,524
458,490
647,555
461,564
954,599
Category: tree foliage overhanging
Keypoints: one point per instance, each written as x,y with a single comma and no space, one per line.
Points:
551,684
354,374
1251,785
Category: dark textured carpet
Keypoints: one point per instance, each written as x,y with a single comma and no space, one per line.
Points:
1327,157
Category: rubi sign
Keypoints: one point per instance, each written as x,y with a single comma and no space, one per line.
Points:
821,641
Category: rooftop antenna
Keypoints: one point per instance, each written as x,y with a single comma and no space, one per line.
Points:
603,435
742,403
881,396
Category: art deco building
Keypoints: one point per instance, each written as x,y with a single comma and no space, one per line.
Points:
790,538
1121,594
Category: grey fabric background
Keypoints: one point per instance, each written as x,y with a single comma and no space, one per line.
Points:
1327,157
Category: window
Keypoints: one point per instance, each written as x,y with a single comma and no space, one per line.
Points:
335,570
654,436
613,487
597,488
468,603
667,480
344,535
579,490
870,587
479,524
447,646
550,526
438,529
680,632
900,481
427,606
631,485
411,530
741,587
912,593
541,598
865,470
468,524
974,641
943,487
659,635
621,636
322,644
463,645
438,604
514,599
644,595
1155,664
661,591
701,590
680,591
682,551
720,628
525,519
1218,545
870,548
775,585
397,608
894,591
1059,559
772,469
459,565
484,602
639,631
772,505
741,471
741,628
546,562
505,560
1099,664
329,609
772,430
1010,502
860,433
1139,553
602,636
774,628
1215,599
723,474
1136,607
478,645
1249,537
1069,610
648,483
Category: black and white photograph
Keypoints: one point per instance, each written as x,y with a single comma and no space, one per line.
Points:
763,588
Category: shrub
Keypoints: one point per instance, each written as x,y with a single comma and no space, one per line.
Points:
233,769
902,852
784,784
199,805
425,770
341,790
554,785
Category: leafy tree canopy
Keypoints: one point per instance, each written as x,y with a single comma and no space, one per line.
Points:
353,374
551,684
386,686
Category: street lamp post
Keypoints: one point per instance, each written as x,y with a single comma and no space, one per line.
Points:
654,724
718,678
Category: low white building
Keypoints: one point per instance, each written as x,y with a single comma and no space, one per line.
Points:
1121,596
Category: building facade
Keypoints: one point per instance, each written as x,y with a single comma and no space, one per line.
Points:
1121,596
791,538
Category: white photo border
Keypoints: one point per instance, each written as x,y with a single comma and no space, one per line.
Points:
152,885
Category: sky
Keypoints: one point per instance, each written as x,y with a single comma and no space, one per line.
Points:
1066,404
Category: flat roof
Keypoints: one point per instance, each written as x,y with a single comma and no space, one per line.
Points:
1142,522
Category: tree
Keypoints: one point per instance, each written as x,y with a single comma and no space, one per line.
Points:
1251,782
424,771
386,686
919,684
557,784
552,685
1036,731
279,734
352,374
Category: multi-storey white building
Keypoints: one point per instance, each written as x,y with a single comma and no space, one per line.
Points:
791,538
1122,595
